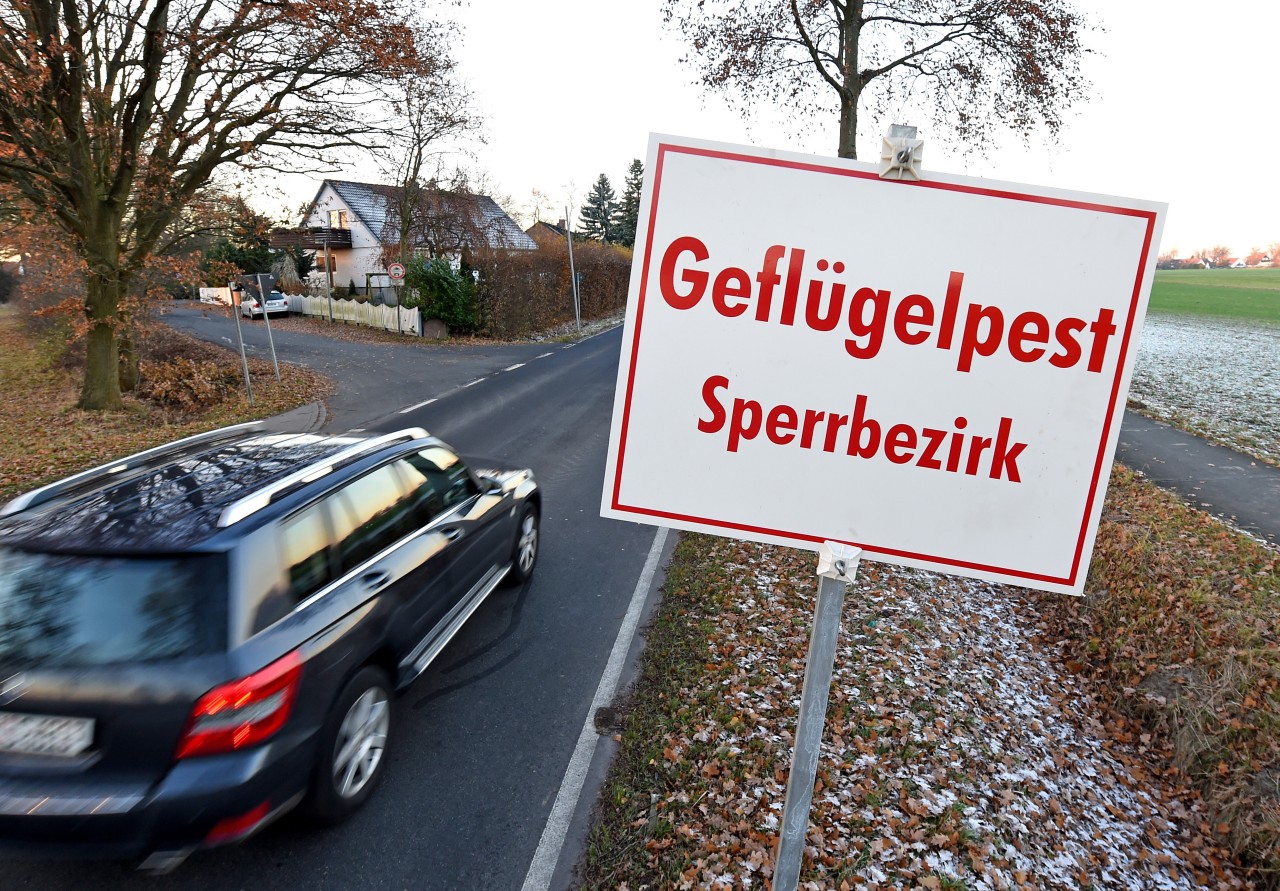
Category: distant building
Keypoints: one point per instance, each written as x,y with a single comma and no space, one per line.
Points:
547,233
358,226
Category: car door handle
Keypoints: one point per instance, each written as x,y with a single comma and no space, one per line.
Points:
453,533
373,581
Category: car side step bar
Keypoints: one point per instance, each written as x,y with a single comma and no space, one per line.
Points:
432,645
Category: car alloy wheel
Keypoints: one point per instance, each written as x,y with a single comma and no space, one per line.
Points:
524,555
352,747
361,740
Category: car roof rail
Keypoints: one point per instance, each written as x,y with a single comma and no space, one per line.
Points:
250,504
106,473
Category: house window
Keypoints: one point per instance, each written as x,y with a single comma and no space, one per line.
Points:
338,219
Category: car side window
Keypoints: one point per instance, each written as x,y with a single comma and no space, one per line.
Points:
304,545
425,499
448,474
369,514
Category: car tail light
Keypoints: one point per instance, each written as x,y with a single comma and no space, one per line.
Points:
242,713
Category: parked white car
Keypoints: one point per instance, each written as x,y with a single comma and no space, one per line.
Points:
252,306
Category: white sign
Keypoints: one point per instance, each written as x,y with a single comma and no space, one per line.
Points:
396,272
932,371
215,295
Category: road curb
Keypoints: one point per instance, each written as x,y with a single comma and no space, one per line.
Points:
303,419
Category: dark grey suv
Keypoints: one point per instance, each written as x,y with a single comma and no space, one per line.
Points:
199,637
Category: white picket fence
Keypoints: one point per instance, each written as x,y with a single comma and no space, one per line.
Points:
389,318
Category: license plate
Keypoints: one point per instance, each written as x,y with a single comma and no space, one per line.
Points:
44,734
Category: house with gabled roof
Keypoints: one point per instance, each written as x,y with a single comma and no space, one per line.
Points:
357,226
545,233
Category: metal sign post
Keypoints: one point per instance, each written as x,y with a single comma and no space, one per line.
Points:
837,566
573,276
396,273
328,285
266,317
237,294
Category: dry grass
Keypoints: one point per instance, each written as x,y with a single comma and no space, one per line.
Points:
1180,627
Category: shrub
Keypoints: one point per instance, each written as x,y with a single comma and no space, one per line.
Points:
187,385
441,293
529,291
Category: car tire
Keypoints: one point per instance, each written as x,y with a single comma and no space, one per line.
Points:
352,750
524,552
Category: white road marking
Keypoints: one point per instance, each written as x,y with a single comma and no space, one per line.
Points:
405,411
514,367
538,878
473,383
543,356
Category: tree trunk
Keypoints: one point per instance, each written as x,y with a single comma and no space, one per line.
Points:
101,390
127,344
848,126
852,80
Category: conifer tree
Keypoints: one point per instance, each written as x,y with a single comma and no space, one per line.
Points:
597,215
629,206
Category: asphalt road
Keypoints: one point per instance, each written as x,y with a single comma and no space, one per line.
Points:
481,742
1243,491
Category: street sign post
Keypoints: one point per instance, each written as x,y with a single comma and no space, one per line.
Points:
922,370
263,294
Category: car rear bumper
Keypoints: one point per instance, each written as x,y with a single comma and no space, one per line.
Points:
226,793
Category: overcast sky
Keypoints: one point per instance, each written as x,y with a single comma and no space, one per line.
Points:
1184,110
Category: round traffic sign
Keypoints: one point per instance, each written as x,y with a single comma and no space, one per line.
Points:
396,271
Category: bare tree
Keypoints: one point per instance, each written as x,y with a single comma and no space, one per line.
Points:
538,207
434,109
1219,254
450,215
977,65
114,113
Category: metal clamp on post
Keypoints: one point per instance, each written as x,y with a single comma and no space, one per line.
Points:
900,153
838,561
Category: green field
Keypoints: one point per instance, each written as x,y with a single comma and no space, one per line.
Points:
1247,294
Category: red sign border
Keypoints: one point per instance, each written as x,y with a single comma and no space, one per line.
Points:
1070,580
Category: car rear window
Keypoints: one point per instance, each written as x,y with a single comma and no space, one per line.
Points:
59,610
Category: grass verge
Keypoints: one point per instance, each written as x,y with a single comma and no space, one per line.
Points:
634,838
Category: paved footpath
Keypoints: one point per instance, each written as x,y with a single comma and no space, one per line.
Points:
1227,484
